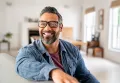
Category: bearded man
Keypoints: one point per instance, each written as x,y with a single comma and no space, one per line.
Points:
51,58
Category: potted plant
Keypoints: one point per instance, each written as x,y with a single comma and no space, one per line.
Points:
8,36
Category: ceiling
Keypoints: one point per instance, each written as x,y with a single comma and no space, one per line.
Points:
42,2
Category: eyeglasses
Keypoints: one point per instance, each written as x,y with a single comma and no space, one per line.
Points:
52,24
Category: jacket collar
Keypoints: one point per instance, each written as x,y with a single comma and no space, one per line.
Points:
42,48
62,48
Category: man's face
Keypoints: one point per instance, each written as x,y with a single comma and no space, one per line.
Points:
49,28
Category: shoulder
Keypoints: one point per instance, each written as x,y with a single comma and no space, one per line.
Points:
67,44
30,47
70,48
73,53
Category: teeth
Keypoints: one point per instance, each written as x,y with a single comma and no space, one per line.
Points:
47,34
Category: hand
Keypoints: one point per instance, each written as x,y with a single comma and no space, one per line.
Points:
58,76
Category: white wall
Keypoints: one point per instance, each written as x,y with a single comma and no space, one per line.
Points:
12,19
105,4
3,23
2,17
15,20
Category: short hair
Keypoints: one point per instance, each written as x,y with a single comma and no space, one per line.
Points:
53,10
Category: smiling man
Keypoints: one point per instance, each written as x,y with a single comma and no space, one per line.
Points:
51,58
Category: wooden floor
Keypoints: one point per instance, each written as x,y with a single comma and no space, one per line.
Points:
104,70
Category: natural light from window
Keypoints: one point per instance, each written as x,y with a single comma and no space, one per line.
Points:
114,32
89,26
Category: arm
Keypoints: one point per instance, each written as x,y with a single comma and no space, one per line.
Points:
28,67
58,76
81,73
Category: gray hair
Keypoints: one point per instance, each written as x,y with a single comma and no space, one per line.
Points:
53,10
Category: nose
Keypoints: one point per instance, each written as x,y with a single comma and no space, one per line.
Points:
47,28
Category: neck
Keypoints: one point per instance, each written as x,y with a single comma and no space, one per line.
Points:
52,48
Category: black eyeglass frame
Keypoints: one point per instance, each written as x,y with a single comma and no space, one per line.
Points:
48,23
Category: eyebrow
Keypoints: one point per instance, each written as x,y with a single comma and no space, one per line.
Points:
47,21
42,21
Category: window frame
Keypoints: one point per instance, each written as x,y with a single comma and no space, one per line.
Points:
111,31
93,25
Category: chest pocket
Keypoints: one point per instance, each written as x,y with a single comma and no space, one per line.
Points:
71,65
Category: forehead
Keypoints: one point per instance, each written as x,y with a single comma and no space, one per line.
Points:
49,17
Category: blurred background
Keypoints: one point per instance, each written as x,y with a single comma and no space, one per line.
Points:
90,25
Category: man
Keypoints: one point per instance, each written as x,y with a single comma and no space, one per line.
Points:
51,58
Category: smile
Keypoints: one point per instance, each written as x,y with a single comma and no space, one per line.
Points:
47,33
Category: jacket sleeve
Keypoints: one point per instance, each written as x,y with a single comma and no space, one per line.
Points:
28,67
81,73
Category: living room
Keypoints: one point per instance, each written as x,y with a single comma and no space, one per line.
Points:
19,16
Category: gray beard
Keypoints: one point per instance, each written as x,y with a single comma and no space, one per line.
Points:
50,41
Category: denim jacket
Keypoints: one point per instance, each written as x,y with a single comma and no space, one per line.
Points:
33,62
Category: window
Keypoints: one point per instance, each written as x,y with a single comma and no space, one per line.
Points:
89,25
114,25
114,33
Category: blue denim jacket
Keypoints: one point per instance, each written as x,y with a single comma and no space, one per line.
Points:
33,62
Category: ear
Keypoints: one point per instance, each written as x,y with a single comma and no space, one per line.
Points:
61,26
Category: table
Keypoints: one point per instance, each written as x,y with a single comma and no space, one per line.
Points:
7,42
98,51
74,42
78,43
